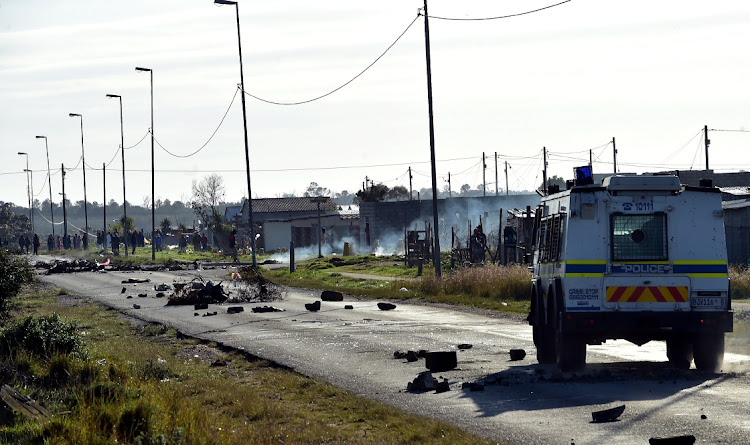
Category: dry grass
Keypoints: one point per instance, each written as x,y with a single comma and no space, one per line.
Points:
740,279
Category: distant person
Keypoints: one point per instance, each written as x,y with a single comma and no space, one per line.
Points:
204,242
50,243
157,240
21,243
116,243
59,243
233,244
27,242
477,243
36,244
134,240
141,239
196,241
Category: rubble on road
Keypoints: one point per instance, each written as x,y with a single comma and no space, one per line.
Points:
261,309
64,266
136,280
235,309
473,386
253,286
675,440
607,415
465,346
423,382
197,292
348,306
386,306
330,295
162,287
442,386
517,354
313,307
441,361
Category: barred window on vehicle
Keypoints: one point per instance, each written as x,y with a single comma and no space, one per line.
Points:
639,237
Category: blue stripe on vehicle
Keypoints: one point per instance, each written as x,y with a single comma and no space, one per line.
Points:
582,308
701,268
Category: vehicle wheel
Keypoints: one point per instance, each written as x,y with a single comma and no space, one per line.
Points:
679,353
544,336
708,350
571,352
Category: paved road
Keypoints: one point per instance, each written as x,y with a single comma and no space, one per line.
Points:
522,403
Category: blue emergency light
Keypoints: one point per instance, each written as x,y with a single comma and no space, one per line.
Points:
584,175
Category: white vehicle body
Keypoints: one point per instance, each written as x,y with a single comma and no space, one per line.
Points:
639,258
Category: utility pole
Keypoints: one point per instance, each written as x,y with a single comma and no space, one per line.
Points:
506,178
484,176
450,192
436,220
104,204
705,138
497,190
65,212
591,158
411,193
614,152
544,172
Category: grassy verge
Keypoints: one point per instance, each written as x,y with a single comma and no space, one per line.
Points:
142,255
146,385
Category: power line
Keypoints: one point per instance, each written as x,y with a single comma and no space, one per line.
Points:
209,139
345,84
499,17
733,131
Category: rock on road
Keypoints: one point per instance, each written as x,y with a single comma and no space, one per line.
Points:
522,402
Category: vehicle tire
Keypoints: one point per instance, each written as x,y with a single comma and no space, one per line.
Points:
679,353
708,351
571,352
544,335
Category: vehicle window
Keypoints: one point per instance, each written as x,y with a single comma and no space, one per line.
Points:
639,237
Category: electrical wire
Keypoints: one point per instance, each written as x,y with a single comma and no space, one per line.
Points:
209,139
674,153
733,131
498,17
139,142
346,83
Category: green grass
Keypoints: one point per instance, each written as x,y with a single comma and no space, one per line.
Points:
143,256
142,385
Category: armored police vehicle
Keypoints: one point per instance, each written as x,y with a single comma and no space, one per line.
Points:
638,258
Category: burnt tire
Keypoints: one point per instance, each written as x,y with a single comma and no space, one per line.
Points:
708,352
571,352
679,353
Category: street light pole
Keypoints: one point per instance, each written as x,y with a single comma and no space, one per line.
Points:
28,192
124,199
85,200
65,212
49,177
244,122
153,209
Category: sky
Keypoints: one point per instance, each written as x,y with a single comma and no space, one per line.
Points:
569,78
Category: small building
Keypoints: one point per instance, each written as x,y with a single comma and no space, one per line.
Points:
737,228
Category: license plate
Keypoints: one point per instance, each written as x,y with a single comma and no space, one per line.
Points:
708,302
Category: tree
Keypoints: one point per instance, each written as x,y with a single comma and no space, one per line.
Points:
376,193
398,193
12,224
315,190
207,195
14,272
343,198
554,180
165,224
465,189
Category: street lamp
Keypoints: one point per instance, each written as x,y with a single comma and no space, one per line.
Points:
244,122
49,177
28,192
122,150
153,209
85,201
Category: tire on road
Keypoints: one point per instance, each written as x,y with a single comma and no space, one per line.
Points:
543,332
571,352
679,353
708,352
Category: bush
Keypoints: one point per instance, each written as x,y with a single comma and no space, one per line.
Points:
15,271
45,336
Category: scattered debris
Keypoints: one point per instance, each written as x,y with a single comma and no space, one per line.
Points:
443,386
200,306
464,346
399,354
704,417
196,292
411,356
386,306
219,362
607,415
348,306
235,309
313,307
162,287
267,309
424,382
473,386
421,353
142,295
210,314
136,306
122,291
129,296
160,295
675,440
403,289
517,354
440,361
330,295
136,280
253,286
195,314
13,403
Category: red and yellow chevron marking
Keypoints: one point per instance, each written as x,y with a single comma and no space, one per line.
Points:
647,294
